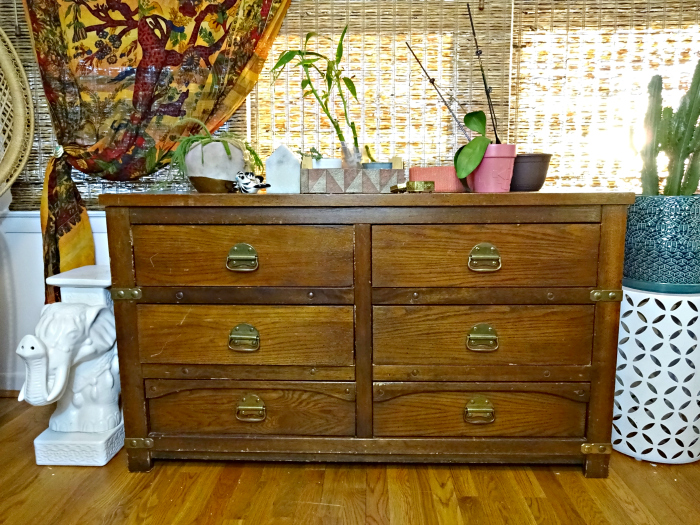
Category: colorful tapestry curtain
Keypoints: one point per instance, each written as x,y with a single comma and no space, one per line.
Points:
119,75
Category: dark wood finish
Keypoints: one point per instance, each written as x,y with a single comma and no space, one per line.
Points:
289,335
133,396
612,251
527,335
196,255
363,335
403,260
250,372
245,295
367,215
209,200
292,408
252,493
532,255
481,373
430,409
448,296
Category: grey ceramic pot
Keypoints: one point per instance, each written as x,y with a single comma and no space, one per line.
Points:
662,247
530,171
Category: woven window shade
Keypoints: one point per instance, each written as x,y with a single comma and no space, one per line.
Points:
581,70
399,112
575,85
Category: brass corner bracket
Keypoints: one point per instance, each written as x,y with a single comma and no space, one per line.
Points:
138,443
596,448
606,295
125,294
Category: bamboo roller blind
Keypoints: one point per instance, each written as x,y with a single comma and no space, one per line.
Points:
569,77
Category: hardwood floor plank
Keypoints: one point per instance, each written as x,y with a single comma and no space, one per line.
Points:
438,482
494,484
308,511
575,487
344,494
543,511
404,496
241,498
557,497
377,496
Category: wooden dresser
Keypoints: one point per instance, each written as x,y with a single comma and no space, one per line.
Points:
404,328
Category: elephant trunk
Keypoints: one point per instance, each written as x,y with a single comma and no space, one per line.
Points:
35,389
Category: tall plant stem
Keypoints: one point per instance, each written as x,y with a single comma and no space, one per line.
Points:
324,107
347,118
432,81
492,111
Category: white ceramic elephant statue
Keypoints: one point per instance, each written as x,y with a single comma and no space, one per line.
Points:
72,359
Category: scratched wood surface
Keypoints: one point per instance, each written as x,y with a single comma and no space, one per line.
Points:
220,493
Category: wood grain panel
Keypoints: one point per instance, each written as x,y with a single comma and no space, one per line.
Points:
532,255
209,407
288,255
424,411
527,335
289,335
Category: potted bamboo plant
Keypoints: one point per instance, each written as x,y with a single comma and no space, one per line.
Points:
322,77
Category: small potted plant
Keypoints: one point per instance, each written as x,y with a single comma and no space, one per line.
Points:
322,76
223,163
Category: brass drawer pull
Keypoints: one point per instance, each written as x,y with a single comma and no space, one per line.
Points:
242,258
482,338
251,409
479,411
484,257
244,338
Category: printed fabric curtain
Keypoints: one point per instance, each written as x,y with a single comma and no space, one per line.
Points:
119,75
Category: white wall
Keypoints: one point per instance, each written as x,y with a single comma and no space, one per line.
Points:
22,283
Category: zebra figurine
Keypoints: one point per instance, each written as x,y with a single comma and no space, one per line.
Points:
248,182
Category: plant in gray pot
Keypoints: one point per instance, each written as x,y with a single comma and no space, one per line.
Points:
656,415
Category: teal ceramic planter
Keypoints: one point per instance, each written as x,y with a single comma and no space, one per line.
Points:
662,246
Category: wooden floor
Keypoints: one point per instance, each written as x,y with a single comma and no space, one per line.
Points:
220,493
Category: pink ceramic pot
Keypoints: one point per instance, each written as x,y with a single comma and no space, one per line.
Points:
495,171
444,177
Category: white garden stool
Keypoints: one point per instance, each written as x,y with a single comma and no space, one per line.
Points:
657,387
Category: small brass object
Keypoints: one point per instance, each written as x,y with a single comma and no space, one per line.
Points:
596,448
125,294
251,409
242,258
138,443
244,338
414,186
606,295
482,338
484,257
479,411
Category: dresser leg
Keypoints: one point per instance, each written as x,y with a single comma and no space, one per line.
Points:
139,460
596,466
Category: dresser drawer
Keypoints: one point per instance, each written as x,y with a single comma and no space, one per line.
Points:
286,335
483,335
531,255
251,407
286,255
495,409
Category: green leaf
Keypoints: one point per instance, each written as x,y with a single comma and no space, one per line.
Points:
285,58
476,121
339,51
351,87
309,36
470,156
305,83
308,62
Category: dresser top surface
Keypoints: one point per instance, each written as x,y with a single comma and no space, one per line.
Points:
363,200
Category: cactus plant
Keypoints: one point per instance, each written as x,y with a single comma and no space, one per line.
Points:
676,133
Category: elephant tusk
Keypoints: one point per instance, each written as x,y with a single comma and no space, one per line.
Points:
21,392
59,385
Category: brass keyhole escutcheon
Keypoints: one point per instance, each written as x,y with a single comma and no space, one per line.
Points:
242,258
244,338
484,257
479,411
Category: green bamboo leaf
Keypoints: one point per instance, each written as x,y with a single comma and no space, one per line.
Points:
285,58
470,156
339,51
309,36
305,83
476,121
351,87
